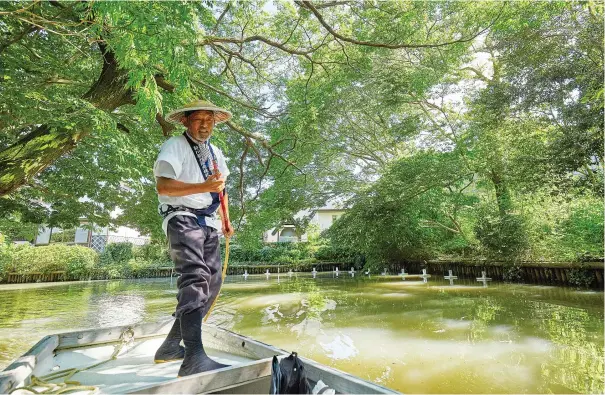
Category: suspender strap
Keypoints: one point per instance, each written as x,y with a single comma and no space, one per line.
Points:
206,172
204,165
203,161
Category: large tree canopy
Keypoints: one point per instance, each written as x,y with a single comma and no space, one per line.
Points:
527,129
86,84
490,100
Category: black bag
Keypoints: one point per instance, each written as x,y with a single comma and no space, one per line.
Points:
289,376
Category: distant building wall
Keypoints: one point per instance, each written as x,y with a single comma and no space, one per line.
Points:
286,234
43,235
322,218
325,218
81,236
96,239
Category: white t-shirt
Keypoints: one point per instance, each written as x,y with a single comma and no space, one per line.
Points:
177,161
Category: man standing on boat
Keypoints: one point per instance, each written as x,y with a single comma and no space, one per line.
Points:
190,174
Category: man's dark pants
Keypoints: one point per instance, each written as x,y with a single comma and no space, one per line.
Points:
195,251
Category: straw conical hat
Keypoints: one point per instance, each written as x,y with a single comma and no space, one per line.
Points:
220,114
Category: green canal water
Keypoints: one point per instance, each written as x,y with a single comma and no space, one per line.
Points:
406,335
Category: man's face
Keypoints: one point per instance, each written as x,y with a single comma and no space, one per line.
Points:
200,124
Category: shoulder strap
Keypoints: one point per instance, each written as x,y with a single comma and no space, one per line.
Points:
197,152
206,172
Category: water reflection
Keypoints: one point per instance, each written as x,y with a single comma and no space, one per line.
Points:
576,361
115,310
339,347
411,336
484,312
272,314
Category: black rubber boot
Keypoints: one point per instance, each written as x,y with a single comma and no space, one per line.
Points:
171,349
196,360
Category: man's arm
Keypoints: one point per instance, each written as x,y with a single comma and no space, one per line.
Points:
169,187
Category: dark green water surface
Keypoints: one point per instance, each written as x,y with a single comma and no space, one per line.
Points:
407,335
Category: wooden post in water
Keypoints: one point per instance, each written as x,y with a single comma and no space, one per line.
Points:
542,273
599,277
564,276
549,274
529,274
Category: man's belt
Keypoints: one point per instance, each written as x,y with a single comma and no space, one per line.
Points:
167,209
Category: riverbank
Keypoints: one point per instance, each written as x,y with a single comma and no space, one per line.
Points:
585,274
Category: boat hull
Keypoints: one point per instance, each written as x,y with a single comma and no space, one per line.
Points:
120,360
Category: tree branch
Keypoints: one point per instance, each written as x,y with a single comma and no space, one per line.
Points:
220,18
166,126
256,152
331,4
262,142
439,225
18,37
308,5
63,81
162,83
252,107
261,179
213,39
479,74
241,181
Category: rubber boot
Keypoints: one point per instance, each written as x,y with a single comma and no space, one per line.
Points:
196,360
171,349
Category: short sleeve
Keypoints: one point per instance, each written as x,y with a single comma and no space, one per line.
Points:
169,163
222,163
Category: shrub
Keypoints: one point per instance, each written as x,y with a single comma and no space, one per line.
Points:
116,253
330,253
580,276
273,253
77,261
5,258
136,266
564,227
503,237
582,231
113,271
512,274
154,253
123,260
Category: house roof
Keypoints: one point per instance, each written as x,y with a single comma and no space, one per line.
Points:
332,206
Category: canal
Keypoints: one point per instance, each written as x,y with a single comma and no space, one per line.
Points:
411,336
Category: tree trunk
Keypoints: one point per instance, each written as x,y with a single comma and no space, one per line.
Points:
33,153
502,193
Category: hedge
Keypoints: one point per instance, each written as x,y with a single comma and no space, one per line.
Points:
119,260
76,261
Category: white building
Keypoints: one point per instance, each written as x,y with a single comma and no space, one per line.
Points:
322,218
96,238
